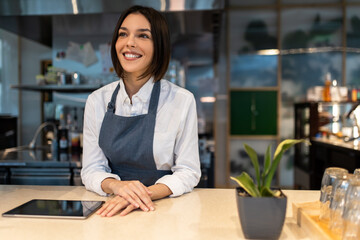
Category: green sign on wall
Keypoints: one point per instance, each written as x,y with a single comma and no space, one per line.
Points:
253,113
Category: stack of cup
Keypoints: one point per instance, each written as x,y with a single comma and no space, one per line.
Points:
351,212
340,202
337,202
330,175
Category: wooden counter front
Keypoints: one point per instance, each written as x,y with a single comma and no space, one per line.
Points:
202,214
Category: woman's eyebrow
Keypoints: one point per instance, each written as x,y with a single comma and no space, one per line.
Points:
144,30
138,30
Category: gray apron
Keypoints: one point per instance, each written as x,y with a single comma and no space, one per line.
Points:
127,142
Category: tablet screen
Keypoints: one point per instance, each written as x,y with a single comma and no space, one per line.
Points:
55,209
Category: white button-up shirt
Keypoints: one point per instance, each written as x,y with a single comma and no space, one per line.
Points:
175,145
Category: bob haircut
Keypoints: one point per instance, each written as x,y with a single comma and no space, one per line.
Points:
161,42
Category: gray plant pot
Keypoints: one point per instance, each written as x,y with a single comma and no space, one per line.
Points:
261,218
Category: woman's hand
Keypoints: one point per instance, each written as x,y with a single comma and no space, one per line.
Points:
115,205
118,203
133,192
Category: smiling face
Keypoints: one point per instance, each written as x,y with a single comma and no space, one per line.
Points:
134,46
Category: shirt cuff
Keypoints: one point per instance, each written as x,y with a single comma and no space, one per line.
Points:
97,179
174,183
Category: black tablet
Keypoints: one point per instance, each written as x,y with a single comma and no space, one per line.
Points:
44,208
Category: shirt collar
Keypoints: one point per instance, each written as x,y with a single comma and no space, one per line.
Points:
143,94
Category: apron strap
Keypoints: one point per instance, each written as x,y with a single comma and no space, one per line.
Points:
111,104
154,98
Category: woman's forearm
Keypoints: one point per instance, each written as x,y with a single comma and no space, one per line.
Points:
159,191
106,185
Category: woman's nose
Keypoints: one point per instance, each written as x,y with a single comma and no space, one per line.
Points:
131,41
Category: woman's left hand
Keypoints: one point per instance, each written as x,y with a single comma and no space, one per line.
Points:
115,205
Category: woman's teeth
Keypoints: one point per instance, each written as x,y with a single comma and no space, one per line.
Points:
129,55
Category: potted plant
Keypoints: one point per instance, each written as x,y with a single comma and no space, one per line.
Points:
262,209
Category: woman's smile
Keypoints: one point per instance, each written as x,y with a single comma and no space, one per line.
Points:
131,56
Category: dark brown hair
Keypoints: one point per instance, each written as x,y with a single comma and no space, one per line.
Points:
161,42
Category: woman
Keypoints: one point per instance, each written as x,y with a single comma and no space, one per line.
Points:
140,133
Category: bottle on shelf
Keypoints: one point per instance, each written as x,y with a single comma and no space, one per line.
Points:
63,142
74,134
327,91
335,92
354,94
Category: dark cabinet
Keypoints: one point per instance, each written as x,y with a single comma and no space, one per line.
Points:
4,176
323,154
310,161
8,131
306,126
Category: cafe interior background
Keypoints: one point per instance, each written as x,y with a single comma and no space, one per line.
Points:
247,63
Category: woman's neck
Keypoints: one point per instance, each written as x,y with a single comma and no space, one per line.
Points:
133,85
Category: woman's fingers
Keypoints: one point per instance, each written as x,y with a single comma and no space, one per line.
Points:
127,210
133,198
103,207
137,194
113,206
106,207
118,208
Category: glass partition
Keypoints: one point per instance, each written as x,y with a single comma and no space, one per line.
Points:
253,48
311,27
353,47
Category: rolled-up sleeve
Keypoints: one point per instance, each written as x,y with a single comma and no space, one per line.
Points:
95,167
186,170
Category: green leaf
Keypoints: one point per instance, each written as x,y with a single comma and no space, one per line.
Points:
286,144
267,162
246,182
282,147
273,167
267,192
254,159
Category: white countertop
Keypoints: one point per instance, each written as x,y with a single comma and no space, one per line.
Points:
202,214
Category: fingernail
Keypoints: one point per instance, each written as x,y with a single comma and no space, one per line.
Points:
152,208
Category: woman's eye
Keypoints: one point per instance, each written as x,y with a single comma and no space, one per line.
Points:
143,36
122,34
